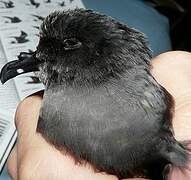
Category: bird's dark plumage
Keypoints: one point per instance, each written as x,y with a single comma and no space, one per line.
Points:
101,103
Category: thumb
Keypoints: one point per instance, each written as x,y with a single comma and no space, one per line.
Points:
27,113
26,120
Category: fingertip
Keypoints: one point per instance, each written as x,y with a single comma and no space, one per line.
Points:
34,100
172,59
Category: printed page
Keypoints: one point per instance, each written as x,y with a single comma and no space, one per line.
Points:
8,102
7,135
8,93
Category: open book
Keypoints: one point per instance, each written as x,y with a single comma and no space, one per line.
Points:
19,25
7,135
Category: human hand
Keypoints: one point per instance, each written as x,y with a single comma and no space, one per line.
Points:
173,71
34,158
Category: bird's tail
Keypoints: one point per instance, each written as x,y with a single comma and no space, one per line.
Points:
180,157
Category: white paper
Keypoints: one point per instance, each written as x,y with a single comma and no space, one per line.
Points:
7,134
8,93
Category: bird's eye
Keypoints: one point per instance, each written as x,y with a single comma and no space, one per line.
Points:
71,44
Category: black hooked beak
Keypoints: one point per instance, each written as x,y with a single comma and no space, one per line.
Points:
27,62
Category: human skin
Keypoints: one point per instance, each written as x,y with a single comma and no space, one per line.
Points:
33,158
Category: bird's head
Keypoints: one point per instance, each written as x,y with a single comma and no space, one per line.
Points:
83,47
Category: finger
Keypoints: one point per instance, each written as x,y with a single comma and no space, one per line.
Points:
26,117
12,163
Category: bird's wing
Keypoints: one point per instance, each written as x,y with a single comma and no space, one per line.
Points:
39,17
14,37
24,34
7,17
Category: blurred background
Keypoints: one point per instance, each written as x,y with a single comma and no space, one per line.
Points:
178,13
165,22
